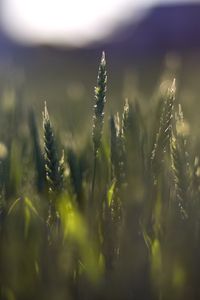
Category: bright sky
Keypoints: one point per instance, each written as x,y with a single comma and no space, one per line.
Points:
70,22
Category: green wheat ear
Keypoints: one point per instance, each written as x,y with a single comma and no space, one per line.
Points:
98,117
164,134
53,167
126,117
38,156
181,165
100,100
130,121
117,153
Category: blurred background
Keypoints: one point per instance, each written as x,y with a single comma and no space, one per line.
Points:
50,50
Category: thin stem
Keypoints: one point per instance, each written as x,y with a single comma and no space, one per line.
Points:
93,177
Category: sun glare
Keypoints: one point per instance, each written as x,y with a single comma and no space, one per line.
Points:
74,22
68,22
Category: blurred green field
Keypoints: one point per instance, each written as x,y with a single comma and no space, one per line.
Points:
96,206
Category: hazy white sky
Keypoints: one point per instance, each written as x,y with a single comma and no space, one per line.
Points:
70,22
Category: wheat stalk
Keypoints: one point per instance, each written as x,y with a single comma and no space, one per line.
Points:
39,160
162,139
98,117
100,100
53,167
181,165
117,152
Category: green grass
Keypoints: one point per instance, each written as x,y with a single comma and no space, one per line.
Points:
114,215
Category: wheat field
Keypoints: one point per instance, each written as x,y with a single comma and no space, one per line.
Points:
115,215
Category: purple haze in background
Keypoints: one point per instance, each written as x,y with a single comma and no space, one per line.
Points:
164,28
